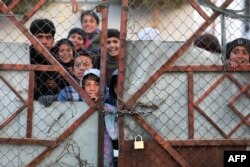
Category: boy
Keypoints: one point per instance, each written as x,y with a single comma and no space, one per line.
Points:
79,71
44,30
78,37
81,63
90,83
113,49
238,52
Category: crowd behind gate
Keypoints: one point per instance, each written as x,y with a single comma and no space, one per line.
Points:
79,54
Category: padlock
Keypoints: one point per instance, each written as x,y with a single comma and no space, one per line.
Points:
138,144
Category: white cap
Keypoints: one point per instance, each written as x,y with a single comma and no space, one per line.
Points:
94,71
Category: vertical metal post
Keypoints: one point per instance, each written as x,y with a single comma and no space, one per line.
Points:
121,76
104,13
223,39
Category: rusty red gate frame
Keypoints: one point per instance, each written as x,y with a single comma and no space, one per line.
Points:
167,67
190,69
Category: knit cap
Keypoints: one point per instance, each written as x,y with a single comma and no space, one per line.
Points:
237,42
78,31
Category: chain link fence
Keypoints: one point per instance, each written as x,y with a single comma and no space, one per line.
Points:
182,98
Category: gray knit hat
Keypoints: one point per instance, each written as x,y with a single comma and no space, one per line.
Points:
237,42
78,31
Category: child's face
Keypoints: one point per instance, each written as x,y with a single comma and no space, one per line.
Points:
65,53
92,88
89,24
77,41
239,56
81,64
46,39
113,46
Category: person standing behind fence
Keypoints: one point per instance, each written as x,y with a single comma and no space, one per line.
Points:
90,83
78,37
82,62
208,42
44,30
238,52
113,49
90,22
110,117
64,52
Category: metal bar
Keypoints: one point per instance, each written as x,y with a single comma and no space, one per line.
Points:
206,68
30,104
198,9
232,78
243,90
104,13
25,141
13,90
74,6
13,4
222,142
12,116
61,138
121,76
181,68
238,126
165,144
28,15
231,104
40,48
28,67
223,39
190,105
175,56
211,121
205,94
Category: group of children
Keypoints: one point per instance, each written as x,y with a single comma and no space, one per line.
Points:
79,54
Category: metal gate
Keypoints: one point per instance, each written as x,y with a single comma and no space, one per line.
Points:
189,106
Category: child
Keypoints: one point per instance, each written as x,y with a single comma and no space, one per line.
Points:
81,63
208,42
78,37
90,83
90,22
238,52
110,107
64,52
113,48
45,84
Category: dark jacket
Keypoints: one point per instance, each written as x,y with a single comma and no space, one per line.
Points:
45,81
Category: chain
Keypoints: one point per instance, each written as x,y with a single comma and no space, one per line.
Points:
134,109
